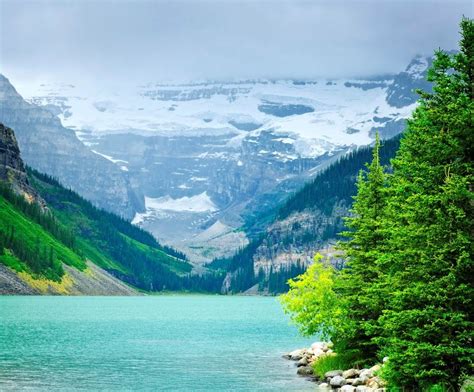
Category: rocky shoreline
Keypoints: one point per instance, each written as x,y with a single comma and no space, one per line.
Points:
349,380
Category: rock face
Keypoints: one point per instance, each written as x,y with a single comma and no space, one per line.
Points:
52,149
12,169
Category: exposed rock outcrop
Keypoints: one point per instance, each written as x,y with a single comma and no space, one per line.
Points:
12,169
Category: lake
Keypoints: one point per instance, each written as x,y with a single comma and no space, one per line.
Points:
150,343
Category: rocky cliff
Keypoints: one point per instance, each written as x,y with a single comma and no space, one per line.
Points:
50,148
12,169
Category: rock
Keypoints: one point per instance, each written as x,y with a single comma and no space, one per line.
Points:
385,359
333,373
350,373
363,388
375,368
366,373
286,356
318,345
374,383
350,380
323,385
296,355
318,352
305,371
380,390
347,388
302,362
360,381
337,381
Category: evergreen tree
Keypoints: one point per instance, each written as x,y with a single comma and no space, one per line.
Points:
428,325
365,243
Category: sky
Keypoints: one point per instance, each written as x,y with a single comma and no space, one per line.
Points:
100,41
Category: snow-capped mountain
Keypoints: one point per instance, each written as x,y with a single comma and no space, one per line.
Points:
206,156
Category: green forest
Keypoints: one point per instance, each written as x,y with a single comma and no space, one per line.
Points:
406,290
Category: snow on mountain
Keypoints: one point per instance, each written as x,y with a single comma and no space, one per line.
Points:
338,112
197,204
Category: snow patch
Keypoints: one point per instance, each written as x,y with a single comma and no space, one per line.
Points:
197,203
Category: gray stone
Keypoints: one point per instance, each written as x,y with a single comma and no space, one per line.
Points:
360,381
337,381
333,373
366,373
347,388
296,355
305,371
363,388
302,362
350,373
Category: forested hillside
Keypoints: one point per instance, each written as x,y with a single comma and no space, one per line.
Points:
307,221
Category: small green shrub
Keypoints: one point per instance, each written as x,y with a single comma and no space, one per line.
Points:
327,363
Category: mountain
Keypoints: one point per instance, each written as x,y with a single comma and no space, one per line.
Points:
54,241
51,148
308,222
208,159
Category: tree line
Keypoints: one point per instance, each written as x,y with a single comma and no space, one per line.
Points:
407,289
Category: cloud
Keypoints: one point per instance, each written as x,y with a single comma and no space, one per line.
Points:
120,41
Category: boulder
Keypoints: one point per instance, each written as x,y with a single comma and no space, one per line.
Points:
318,346
366,373
318,352
375,368
296,355
350,373
302,362
360,381
337,381
374,383
363,388
333,373
305,371
385,360
347,388
350,381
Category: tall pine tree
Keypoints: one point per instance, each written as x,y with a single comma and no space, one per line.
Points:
365,243
428,325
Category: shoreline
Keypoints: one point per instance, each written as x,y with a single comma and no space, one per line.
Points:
343,380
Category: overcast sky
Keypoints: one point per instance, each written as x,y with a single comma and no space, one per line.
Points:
99,40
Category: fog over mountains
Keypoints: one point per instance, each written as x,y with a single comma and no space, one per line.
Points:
193,162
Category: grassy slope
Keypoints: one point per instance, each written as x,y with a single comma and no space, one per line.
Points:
107,241
30,233
97,237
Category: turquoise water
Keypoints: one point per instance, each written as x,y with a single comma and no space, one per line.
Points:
161,343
